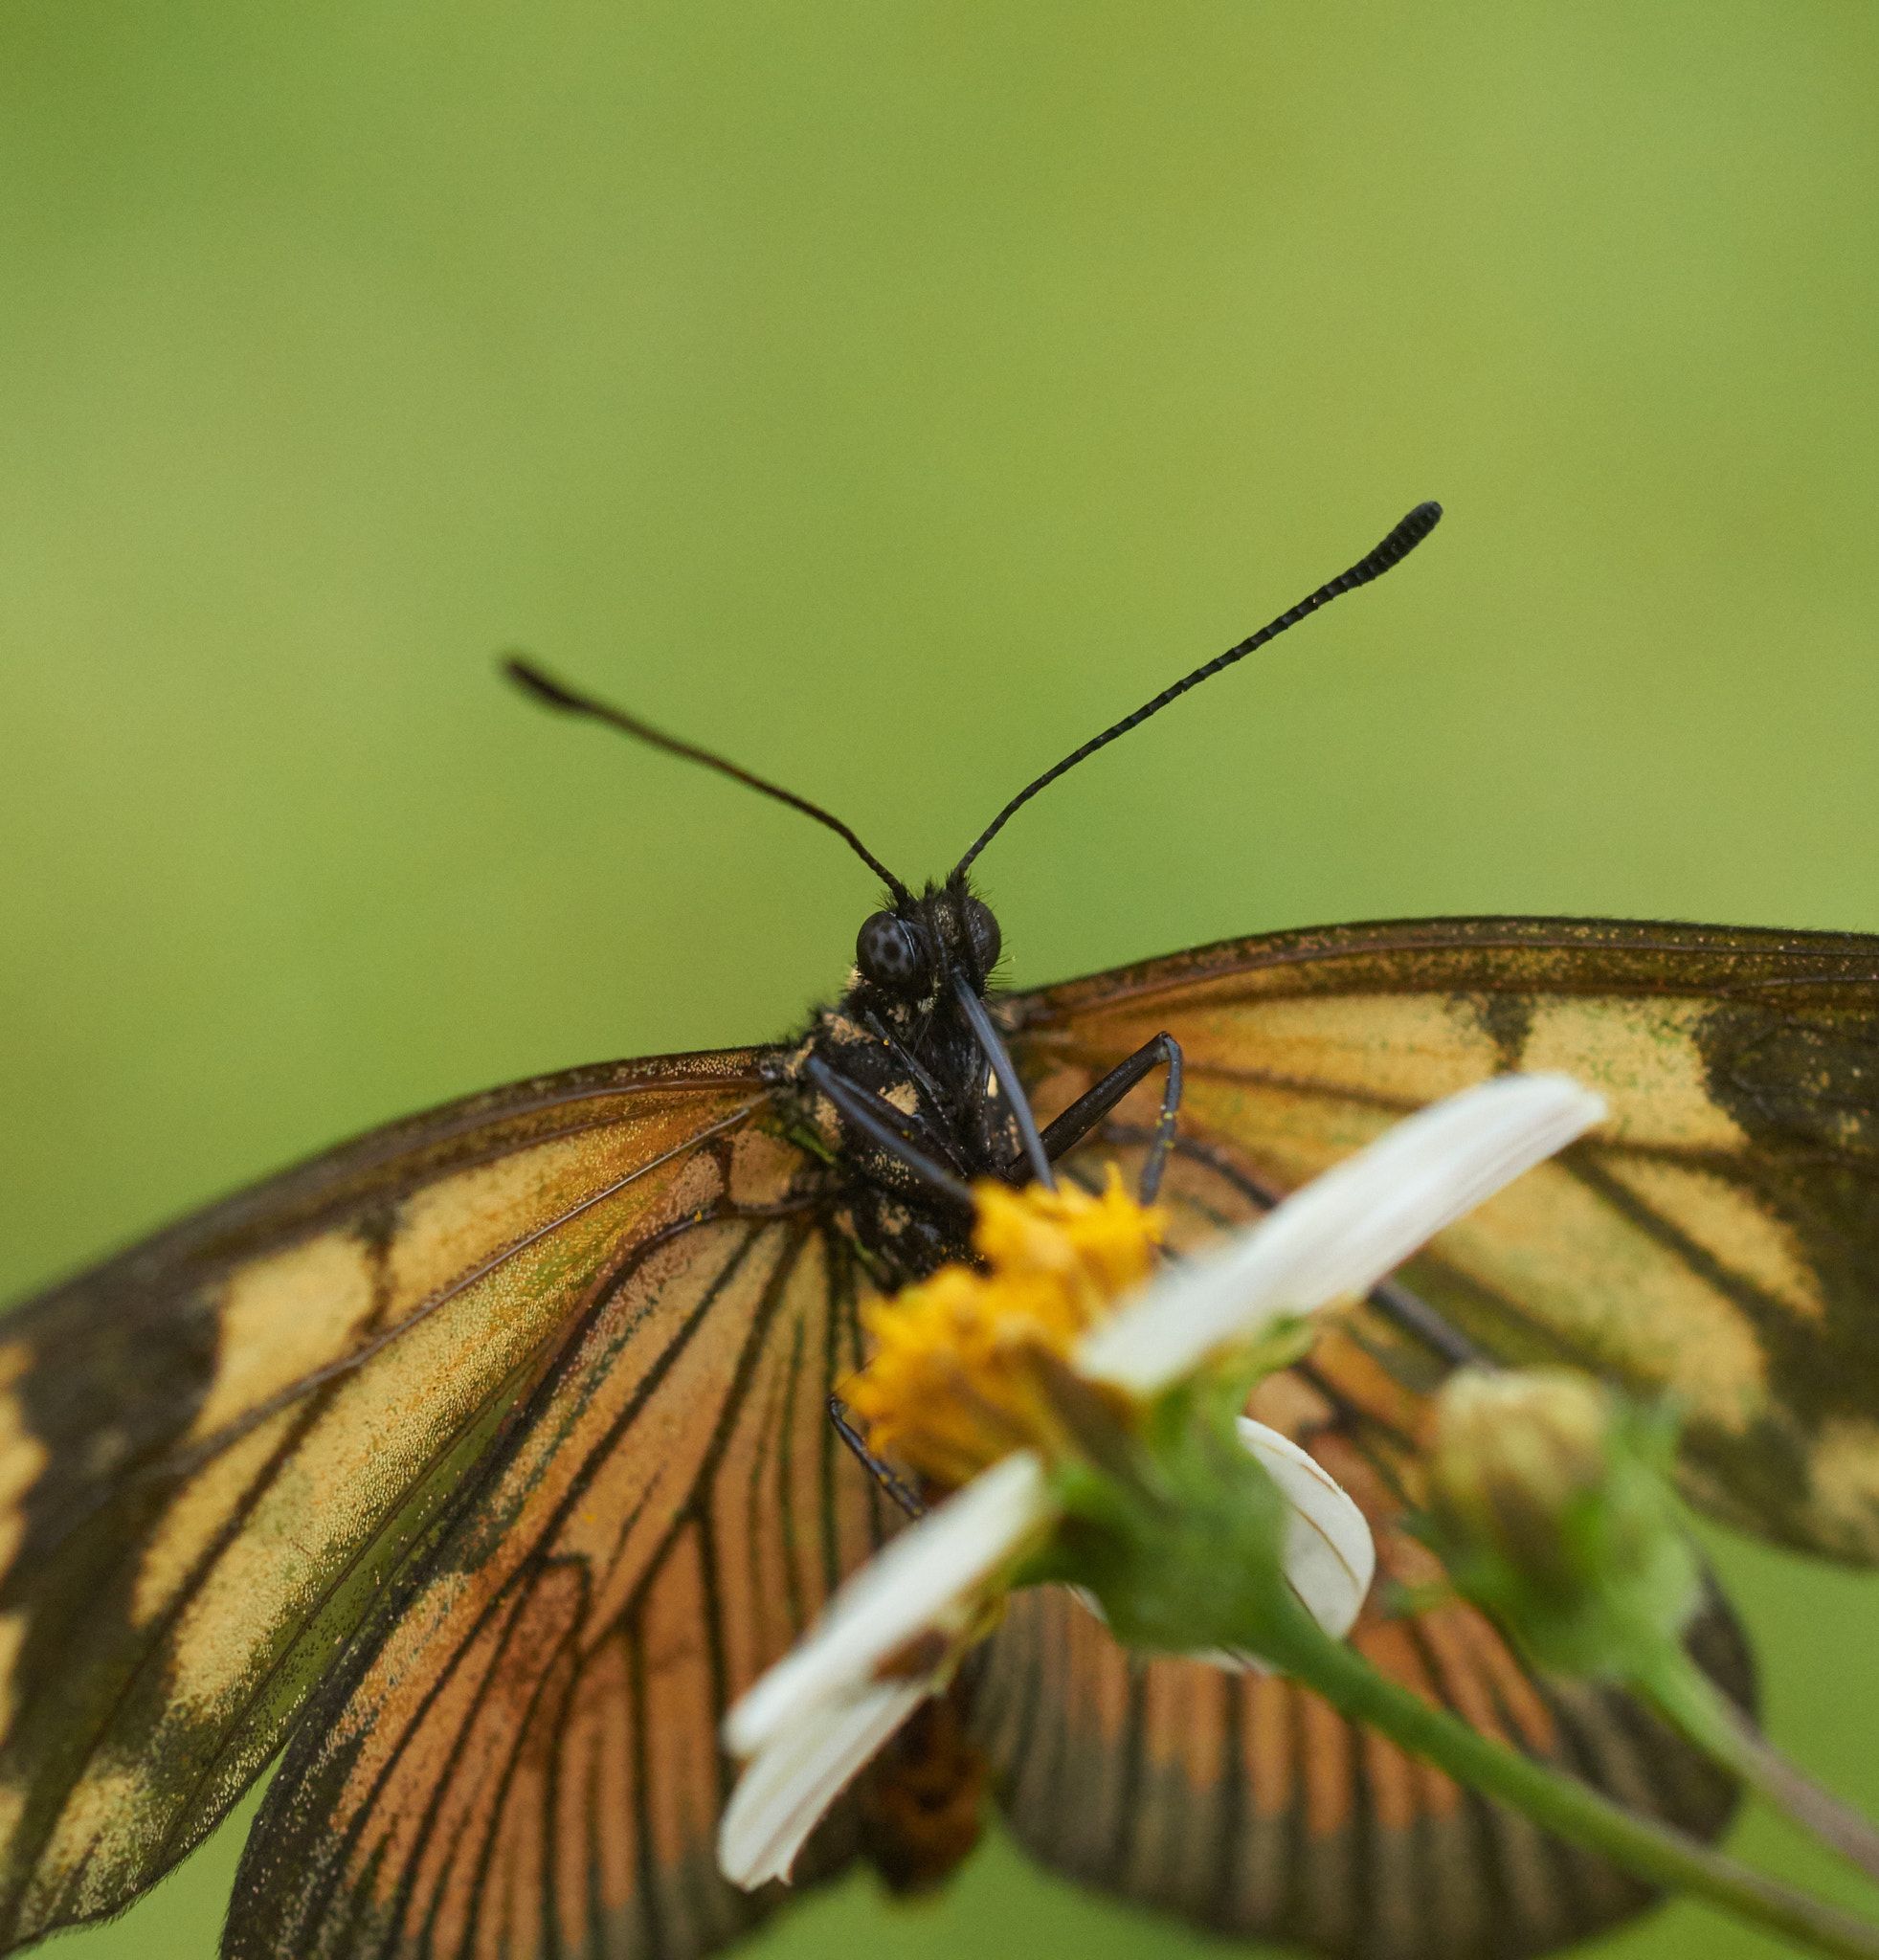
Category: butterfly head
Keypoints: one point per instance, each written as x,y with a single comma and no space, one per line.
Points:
909,951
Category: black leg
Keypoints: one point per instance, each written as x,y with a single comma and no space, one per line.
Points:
870,1463
884,1125
999,1056
1094,1104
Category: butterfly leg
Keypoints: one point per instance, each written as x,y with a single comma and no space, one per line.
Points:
895,1487
885,1128
1005,1070
1094,1104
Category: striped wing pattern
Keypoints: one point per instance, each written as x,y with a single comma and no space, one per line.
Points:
521,1757
219,1450
1249,1805
1719,1235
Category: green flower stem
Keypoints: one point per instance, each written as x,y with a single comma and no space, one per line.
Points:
1696,1706
1562,1804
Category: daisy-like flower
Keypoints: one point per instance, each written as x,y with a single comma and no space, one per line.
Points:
1007,1386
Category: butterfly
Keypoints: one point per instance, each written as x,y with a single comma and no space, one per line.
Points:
478,1465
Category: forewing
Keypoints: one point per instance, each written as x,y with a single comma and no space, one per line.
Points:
219,1449
1249,1805
1719,1235
520,1756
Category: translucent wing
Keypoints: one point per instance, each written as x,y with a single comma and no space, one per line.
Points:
1719,1235
1250,1806
217,1451
520,1754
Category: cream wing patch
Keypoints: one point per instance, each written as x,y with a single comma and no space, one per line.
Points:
198,1514
1292,1135
22,1459
280,1318
1644,1059
22,1454
12,1638
109,1802
1734,1230
1845,1485
1554,1245
453,1225
1405,1050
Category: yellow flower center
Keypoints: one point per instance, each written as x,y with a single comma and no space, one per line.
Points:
953,1384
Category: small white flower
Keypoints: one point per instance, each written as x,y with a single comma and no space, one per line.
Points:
783,1793
1330,1556
893,1634
818,1717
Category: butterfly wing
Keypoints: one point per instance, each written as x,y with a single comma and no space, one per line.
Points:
520,1754
1718,1236
1250,1806
219,1449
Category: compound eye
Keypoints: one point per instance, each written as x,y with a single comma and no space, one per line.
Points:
889,953
982,930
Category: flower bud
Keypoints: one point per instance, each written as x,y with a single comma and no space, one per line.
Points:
1548,1499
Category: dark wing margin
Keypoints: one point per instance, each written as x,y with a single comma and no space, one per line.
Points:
1249,1805
519,1755
219,1448
1718,1237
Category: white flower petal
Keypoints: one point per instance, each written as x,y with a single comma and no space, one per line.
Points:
924,1578
1344,1230
1330,1557
781,1796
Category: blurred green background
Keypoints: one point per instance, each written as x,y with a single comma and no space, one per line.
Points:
892,394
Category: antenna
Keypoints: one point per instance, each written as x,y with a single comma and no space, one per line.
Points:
1393,550
550,692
